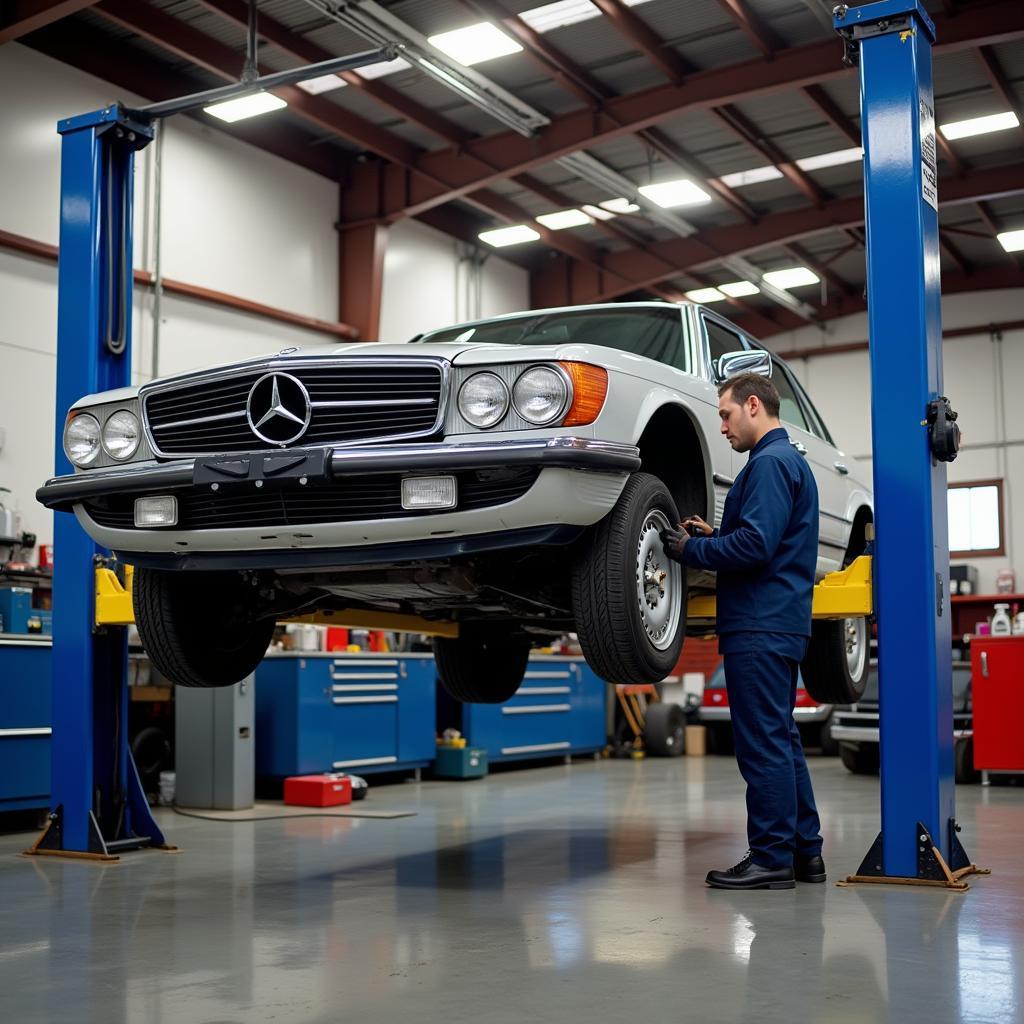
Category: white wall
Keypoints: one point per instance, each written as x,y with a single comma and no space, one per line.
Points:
429,282
976,385
235,219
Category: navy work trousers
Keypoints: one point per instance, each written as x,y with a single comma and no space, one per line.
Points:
782,819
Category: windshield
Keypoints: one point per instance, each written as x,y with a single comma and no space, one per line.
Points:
652,332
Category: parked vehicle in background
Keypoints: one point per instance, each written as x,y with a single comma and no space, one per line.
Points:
855,727
814,720
509,477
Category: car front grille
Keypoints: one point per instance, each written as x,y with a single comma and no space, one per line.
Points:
377,496
351,401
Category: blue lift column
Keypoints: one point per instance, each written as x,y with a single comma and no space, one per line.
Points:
97,805
914,435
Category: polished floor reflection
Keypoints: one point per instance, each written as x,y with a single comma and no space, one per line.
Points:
563,894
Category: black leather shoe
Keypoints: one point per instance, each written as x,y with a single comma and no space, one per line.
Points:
748,875
809,869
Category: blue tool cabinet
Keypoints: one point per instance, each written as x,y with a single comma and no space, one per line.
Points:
559,709
318,712
26,694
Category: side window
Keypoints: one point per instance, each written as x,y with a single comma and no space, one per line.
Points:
817,423
790,410
721,340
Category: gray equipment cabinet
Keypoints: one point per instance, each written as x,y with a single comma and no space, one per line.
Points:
215,747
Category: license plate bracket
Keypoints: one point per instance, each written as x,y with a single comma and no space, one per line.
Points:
278,469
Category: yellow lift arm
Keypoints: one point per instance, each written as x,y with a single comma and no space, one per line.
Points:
840,595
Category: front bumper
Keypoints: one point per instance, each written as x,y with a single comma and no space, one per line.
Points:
62,493
721,713
579,481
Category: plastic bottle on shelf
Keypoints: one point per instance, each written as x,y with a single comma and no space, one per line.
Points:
1001,624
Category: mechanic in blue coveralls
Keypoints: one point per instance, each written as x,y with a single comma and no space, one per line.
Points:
765,555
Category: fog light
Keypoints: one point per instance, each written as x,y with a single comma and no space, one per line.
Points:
157,511
429,492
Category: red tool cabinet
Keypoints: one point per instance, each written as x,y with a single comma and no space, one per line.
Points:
997,690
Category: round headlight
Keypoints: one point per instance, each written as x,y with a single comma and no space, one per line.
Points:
540,395
82,439
483,399
121,434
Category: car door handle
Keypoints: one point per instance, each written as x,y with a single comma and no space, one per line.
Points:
800,447
841,468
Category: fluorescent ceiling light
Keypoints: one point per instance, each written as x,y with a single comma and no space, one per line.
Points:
619,206
242,107
325,83
500,237
564,12
557,15
979,125
833,159
705,295
475,43
681,192
384,67
752,177
737,289
596,212
564,219
791,277
1011,241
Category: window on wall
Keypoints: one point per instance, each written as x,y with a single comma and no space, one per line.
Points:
976,519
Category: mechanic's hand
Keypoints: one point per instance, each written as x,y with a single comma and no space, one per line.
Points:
697,525
674,540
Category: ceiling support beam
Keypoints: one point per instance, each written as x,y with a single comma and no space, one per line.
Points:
361,278
453,173
982,280
646,267
26,16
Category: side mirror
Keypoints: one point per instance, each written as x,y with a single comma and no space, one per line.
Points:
732,363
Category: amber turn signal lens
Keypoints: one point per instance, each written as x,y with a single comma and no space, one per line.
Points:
589,390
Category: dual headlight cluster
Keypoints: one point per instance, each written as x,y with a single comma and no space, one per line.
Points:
119,437
540,395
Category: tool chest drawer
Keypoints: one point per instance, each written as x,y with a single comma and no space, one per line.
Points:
343,712
26,693
559,709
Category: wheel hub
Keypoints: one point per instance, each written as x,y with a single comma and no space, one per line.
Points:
855,634
659,583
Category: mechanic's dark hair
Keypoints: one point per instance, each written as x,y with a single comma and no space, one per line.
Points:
743,385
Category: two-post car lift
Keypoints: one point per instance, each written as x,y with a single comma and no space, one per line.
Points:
98,808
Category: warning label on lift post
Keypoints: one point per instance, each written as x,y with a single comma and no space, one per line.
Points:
929,174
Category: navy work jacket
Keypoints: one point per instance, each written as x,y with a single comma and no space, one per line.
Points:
766,550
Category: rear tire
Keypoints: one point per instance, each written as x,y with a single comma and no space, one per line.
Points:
481,666
664,730
861,760
628,597
836,667
198,628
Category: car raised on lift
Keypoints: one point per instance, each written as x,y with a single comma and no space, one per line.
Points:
508,477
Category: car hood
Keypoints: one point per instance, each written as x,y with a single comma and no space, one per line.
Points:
457,354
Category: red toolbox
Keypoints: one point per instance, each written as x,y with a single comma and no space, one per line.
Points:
318,790
997,693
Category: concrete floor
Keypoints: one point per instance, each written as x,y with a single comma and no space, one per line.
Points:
566,894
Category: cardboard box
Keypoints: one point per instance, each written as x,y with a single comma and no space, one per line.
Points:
696,740
318,790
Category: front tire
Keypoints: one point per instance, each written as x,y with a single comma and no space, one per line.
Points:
481,666
628,596
198,628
